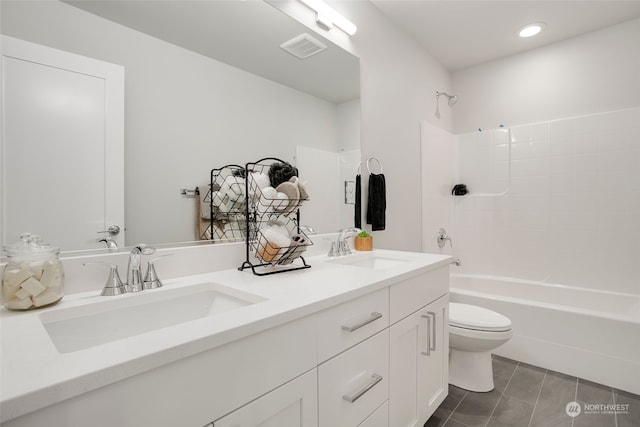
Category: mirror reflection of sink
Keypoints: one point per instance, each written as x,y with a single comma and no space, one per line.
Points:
78,328
372,261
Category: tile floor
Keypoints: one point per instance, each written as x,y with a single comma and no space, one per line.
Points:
528,396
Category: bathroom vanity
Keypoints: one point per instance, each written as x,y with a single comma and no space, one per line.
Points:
359,340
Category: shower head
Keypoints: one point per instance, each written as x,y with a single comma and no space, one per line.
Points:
452,98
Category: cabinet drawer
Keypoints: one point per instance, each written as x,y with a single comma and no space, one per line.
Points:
293,404
352,385
380,418
347,324
414,293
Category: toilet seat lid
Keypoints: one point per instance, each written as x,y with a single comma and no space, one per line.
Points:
469,316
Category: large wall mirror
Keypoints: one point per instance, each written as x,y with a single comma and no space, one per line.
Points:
207,84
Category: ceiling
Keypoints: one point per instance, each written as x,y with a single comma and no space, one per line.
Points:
460,34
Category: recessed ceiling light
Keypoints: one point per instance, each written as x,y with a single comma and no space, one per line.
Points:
530,30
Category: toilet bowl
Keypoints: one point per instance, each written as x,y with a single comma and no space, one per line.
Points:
473,332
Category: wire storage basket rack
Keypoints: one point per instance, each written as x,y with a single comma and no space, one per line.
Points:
273,196
227,201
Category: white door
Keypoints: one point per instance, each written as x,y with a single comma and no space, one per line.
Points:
294,404
62,148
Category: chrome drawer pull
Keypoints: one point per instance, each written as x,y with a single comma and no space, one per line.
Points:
374,316
428,335
431,313
375,379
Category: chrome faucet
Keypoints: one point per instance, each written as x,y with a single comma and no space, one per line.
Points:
341,247
151,279
114,285
443,237
111,244
134,277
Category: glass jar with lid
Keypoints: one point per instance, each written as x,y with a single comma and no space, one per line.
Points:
33,276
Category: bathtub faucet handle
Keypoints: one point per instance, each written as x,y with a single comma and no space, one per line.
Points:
443,237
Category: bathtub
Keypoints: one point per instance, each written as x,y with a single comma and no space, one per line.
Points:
589,334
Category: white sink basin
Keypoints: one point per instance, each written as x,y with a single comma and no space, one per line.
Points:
371,261
78,328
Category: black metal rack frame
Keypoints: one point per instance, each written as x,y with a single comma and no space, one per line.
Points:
262,256
227,214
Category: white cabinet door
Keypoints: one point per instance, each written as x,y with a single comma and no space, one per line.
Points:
62,146
405,370
294,404
418,365
436,381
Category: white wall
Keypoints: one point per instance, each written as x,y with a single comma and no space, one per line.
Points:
349,126
592,73
398,82
184,113
320,173
349,166
438,178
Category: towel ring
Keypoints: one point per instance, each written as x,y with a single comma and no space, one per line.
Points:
378,161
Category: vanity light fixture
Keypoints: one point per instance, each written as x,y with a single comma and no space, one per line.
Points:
327,17
531,30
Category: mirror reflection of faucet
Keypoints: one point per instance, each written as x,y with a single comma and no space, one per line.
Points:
111,244
443,238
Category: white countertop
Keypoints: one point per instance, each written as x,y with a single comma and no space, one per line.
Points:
34,374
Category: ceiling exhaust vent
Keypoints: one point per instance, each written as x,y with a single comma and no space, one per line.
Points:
303,46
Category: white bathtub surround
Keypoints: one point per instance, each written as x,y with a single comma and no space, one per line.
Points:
483,161
570,212
582,332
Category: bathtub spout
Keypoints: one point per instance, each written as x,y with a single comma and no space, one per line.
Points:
457,262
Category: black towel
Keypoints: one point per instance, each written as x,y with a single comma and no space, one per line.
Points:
358,206
377,202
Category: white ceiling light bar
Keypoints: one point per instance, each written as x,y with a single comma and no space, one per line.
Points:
327,17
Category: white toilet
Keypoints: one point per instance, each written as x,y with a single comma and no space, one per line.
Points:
473,332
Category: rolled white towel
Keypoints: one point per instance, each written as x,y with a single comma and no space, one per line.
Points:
260,180
233,186
267,196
